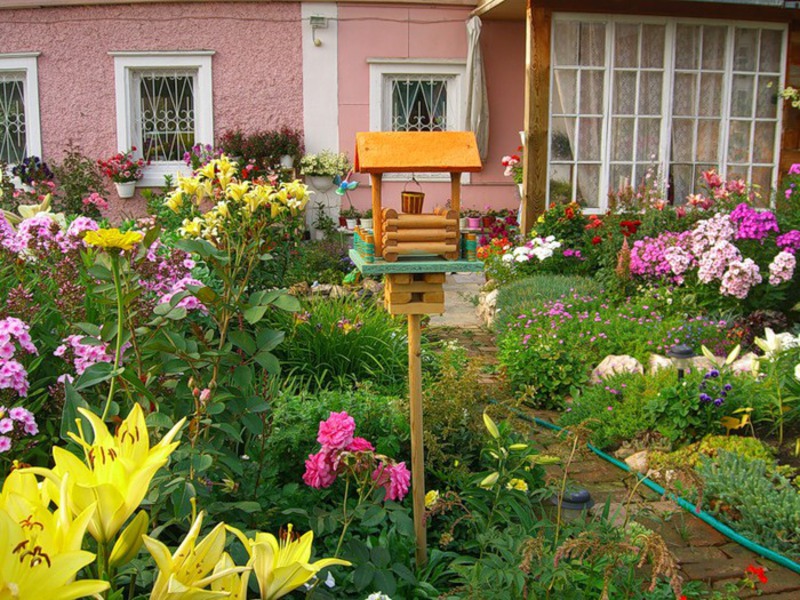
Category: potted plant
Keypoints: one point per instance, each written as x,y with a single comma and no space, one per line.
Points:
513,168
321,168
351,216
489,216
366,219
473,216
124,170
288,145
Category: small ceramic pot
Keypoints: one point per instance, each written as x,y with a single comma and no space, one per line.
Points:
126,189
366,223
473,222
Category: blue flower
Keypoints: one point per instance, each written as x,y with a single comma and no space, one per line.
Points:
705,397
718,402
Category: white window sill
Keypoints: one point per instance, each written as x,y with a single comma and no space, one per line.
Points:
154,173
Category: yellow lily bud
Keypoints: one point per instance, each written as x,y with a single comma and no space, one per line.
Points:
490,426
489,480
518,447
130,540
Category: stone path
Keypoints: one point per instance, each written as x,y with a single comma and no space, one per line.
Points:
703,553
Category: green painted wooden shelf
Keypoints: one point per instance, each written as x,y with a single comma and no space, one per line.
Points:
415,264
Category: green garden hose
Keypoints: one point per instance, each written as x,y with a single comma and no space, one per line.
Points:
700,514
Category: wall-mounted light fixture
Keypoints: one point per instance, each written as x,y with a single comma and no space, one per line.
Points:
317,22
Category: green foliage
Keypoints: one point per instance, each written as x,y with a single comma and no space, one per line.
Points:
335,343
520,295
758,504
263,148
78,176
325,261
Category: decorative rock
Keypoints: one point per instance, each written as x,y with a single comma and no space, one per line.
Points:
487,306
638,462
337,291
372,286
300,289
657,362
744,365
616,363
321,290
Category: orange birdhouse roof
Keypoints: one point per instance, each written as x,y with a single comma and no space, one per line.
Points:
420,151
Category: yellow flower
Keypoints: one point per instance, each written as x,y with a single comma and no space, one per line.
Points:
191,228
431,498
517,484
113,238
188,185
281,567
117,472
175,201
41,550
237,191
185,574
489,480
209,170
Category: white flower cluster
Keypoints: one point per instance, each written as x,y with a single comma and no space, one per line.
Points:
541,248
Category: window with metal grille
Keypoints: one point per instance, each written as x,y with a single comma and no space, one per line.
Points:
165,117
13,147
419,104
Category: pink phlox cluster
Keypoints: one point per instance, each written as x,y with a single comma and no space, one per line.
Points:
753,224
336,437
708,232
394,478
189,302
96,200
38,234
789,241
14,424
13,375
739,278
72,238
8,237
161,272
84,355
782,267
649,256
715,260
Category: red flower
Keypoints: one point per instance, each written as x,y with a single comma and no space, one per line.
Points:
757,571
596,240
569,213
629,227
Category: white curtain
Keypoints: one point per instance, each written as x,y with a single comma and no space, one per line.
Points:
477,113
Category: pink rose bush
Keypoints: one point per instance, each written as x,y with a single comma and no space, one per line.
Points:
343,453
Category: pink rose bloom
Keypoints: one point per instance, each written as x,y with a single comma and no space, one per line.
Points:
337,432
394,478
319,470
359,444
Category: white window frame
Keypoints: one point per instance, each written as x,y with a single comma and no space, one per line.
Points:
381,73
26,63
667,93
127,63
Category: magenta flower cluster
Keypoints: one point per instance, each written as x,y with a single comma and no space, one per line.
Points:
40,235
83,355
14,335
336,437
789,241
753,224
666,256
14,424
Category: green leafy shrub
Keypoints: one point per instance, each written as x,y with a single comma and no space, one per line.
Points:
336,342
762,506
325,261
78,176
263,149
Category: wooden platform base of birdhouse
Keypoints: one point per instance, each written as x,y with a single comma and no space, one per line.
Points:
414,293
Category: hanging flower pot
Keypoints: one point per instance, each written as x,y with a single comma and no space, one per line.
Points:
321,183
125,189
287,161
411,202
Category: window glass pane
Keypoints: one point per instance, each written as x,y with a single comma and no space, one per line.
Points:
714,47
648,137
622,139
682,183
588,192
762,177
593,44
770,56
592,89
711,94
624,92
590,131
419,105
764,142
650,93
682,140
12,118
739,142
565,43
742,96
687,46
708,140
626,45
684,94
620,177
166,115
564,90
561,184
561,138
745,49
767,100
653,46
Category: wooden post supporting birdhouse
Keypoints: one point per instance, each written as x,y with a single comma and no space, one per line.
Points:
414,251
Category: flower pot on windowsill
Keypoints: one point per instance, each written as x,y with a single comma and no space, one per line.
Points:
366,223
463,222
321,183
473,222
125,189
351,224
488,221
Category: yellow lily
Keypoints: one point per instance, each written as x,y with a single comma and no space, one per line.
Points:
236,191
229,581
185,574
209,170
130,541
281,567
188,185
175,201
117,472
191,227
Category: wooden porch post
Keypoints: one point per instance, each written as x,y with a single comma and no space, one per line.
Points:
537,112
